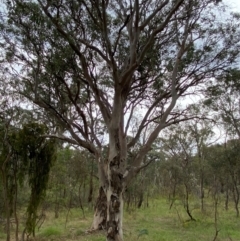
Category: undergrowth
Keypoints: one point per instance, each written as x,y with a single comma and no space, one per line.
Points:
153,223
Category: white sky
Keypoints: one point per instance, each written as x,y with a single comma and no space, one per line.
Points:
235,4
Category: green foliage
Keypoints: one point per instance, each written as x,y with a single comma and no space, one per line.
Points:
31,156
72,181
40,155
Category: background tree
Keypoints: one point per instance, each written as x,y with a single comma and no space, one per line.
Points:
72,181
25,155
179,148
222,98
11,118
231,163
203,135
37,156
7,192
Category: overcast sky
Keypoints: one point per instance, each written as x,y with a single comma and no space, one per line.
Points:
235,4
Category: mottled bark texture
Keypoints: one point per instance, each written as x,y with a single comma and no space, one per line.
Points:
100,214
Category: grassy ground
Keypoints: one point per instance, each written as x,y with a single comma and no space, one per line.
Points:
155,223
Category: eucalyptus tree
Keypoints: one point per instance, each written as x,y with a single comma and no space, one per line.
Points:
185,146
224,165
96,65
7,193
11,119
232,159
203,136
180,149
223,99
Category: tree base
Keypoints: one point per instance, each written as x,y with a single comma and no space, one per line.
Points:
100,215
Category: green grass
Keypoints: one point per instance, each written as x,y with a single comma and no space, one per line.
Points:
50,231
163,224
155,223
2,235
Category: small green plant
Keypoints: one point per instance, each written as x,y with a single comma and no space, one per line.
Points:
51,231
142,232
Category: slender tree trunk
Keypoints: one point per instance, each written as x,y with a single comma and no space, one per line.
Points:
172,199
128,201
186,205
140,201
7,210
235,192
56,204
215,196
15,206
5,195
56,207
147,204
23,234
80,200
236,199
90,193
226,199
202,189
68,209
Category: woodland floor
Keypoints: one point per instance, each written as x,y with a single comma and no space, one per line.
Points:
153,223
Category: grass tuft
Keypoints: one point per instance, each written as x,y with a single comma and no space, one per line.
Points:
51,231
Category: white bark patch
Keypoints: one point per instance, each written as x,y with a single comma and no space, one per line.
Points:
120,230
109,193
97,219
125,174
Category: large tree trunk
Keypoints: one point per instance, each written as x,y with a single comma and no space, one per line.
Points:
114,215
109,214
114,189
